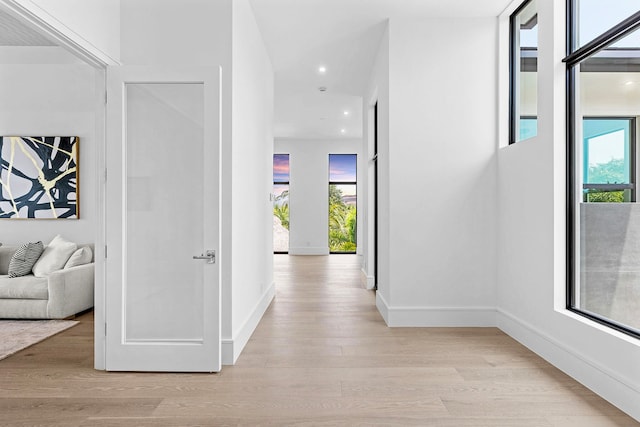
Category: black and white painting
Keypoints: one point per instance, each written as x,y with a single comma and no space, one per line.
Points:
39,177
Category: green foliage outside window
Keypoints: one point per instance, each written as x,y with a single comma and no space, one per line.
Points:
342,223
281,208
604,196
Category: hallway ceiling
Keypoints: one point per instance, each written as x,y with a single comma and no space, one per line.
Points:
343,35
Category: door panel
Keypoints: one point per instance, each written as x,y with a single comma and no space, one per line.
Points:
163,306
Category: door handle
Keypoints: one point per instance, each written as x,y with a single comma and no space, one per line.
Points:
209,255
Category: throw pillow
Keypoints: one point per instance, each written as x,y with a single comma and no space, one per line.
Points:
80,257
24,258
54,257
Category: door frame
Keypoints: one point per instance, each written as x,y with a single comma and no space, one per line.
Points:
39,20
372,198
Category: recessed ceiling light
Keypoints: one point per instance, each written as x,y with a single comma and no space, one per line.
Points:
322,69
346,113
343,131
322,89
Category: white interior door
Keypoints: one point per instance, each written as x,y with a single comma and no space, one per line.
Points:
162,211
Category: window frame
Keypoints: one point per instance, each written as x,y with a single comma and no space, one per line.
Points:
633,173
287,183
355,184
514,76
575,56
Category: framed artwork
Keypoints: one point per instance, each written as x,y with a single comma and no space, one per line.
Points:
39,177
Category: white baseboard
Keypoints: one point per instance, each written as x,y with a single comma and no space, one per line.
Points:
602,380
435,316
309,251
383,307
369,282
606,383
232,347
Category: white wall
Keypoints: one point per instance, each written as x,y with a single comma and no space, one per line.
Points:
223,33
252,153
205,28
309,190
442,173
44,91
531,238
94,24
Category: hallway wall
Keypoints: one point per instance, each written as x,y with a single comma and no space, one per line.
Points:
252,153
440,166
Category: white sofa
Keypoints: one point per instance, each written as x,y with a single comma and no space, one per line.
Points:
59,295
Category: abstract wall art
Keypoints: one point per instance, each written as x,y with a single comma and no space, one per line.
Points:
39,177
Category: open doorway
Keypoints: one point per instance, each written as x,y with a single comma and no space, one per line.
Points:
53,87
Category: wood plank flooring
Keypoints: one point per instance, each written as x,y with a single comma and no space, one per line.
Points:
321,356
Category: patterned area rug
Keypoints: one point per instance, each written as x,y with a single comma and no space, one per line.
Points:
16,335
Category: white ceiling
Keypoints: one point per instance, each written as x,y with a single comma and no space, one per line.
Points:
15,33
301,35
343,35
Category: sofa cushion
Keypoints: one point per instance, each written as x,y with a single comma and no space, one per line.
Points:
54,257
82,256
24,287
24,258
6,253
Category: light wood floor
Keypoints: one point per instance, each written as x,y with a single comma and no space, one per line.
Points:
321,356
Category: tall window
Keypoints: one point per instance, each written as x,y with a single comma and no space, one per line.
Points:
523,72
603,219
281,203
342,203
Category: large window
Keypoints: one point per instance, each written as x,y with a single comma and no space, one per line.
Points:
523,72
603,218
342,203
281,203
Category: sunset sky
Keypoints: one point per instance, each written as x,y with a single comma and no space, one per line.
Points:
280,168
342,167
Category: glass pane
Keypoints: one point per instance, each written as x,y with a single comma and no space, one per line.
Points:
342,167
606,160
596,17
164,212
280,168
608,238
342,218
528,128
524,31
281,218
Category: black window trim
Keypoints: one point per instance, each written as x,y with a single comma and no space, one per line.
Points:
633,173
357,198
283,183
573,60
513,57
